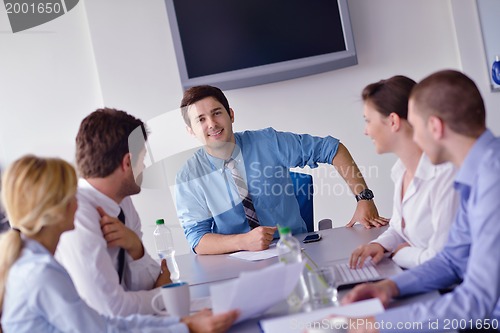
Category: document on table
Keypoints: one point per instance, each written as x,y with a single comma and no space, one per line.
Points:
255,292
321,318
198,304
256,255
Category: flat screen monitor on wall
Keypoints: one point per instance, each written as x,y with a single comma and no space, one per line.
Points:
239,43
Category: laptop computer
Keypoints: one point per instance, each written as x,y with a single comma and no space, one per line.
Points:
347,277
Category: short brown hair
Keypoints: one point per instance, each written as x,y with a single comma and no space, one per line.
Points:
390,96
103,140
195,94
453,97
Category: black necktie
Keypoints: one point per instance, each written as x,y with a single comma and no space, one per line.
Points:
121,254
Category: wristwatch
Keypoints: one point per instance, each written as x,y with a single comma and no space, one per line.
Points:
366,194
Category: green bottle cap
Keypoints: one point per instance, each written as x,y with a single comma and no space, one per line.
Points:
284,230
160,221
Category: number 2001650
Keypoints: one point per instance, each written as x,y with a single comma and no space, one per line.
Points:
460,324
32,8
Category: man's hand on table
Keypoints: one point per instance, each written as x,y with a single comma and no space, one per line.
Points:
367,214
258,239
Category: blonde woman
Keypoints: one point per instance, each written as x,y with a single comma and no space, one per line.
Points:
36,292
424,201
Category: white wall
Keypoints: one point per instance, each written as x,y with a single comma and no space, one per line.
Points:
119,53
472,56
48,83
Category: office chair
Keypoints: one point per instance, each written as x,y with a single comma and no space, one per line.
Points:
325,224
304,190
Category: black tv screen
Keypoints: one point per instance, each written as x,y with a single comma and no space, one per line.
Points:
239,43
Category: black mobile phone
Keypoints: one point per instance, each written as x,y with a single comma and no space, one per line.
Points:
311,238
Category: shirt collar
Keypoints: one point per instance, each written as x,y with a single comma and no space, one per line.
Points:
219,164
97,198
424,170
470,166
397,170
33,245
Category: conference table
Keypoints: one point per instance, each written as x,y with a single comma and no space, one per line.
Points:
336,243
202,271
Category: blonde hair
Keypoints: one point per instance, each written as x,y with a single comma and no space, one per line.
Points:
35,193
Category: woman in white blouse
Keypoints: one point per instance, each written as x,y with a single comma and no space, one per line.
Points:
424,200
36,292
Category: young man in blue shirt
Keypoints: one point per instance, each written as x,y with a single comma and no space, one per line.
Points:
221,214
448,116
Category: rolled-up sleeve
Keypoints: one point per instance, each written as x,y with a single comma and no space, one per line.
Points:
196,230
192,210
299,150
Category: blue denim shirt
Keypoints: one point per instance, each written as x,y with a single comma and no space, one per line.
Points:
207,199
470,257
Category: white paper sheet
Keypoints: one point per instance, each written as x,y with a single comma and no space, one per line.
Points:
256,255
300,322
255,292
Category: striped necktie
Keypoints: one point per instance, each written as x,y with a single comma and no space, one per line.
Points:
241,185
121,253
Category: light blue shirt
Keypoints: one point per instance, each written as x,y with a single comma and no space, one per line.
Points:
40,297
471,254
207,199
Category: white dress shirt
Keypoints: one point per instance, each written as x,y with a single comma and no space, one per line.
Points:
93,266
427,208
40,297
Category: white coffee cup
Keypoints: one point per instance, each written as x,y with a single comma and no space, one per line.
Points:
176,298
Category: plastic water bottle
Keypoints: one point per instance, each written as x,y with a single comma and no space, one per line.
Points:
290,251
165,248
